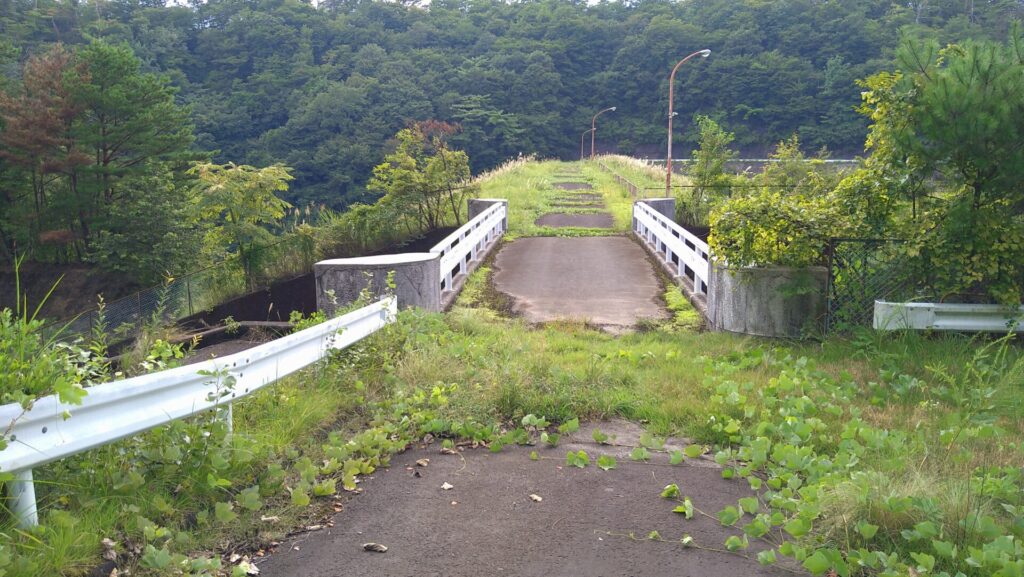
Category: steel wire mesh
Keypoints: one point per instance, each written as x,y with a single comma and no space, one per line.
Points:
862,271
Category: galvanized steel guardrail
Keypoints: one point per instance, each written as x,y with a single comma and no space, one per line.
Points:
52,430
693,254
947,317
634,190
461,247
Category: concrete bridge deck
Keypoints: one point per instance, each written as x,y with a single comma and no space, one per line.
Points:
605,280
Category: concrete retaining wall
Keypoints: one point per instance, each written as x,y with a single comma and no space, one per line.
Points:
767,301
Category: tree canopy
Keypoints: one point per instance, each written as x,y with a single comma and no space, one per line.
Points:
321,88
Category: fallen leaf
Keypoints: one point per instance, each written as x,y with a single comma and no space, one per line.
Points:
108,549
114,573
447,486
248,566
374,547
267,519
234,558
423,462
314,527
536,498
455,502
448,451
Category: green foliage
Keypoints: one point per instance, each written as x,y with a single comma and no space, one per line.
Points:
578,459
152,231
821,480
319,89
707,173
31,366
423,179
302,322
89,133
786,221
670,491
640,454
239,202
944,172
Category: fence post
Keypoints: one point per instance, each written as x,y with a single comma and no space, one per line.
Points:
22,492
138,306
188,289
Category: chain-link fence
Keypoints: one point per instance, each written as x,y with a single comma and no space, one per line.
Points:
862,271
201,290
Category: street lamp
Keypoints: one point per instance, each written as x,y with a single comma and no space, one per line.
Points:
671,80
593,128
581,142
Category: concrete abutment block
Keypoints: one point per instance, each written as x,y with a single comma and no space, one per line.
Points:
417,279
770,301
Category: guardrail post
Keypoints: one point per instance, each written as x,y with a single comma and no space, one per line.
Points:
227,414
22,492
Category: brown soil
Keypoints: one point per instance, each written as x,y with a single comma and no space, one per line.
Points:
562,220
75,292
220,350
487,524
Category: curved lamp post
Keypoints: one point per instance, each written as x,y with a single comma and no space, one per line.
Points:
593,128
581,141
671,80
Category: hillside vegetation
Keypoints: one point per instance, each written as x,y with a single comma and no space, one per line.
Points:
879,454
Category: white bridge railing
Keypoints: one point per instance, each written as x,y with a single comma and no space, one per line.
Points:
692,255
461,247
113,411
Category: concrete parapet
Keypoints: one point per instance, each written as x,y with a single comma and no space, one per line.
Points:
665,206
767,301
416,278
476,206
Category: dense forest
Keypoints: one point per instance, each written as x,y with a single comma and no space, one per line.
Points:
127,94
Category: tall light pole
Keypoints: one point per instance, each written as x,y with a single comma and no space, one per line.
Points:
671,80
581,141
593,128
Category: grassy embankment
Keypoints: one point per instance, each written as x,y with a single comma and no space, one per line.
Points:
926,438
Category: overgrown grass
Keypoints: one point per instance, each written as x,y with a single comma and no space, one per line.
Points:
884,432
531,193
648,177
896,444
191,487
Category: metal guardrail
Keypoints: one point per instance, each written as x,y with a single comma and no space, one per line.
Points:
947,317
634,190
461,247
692,255
113,411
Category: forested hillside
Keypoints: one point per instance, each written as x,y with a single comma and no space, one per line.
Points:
322,88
